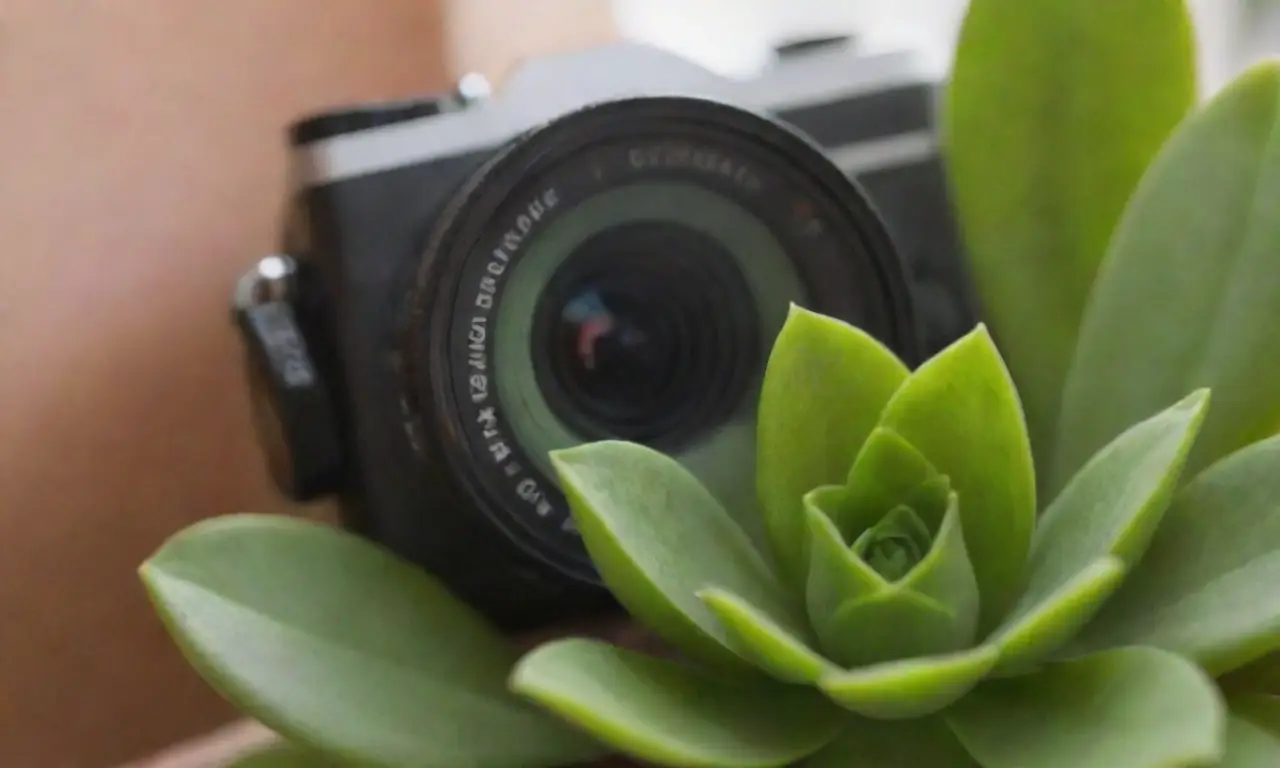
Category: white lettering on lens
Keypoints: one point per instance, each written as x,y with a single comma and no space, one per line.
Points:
685,157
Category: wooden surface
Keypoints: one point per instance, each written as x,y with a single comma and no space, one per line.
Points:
141,169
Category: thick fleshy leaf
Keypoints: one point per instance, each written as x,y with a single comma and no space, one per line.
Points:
836,575
657,537
910,688
762,642
672,715
864,743
946,575
1189,293
1253,733
1207,586
1127,708
824,387
282,756
1115,503
1035,634
894,546
341,648
885,472
961,412
1084,105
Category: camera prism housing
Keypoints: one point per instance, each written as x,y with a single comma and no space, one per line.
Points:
603,250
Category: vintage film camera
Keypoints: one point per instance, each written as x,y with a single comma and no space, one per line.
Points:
604,249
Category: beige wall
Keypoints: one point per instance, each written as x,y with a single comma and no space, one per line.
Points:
141,168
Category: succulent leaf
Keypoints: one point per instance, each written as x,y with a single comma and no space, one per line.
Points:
887,470
761,641
1253,733
894,546
344,649
837,576
1070,106
865,743
960,410
1125,708
1187,296
824,387
657,536
1206,586
1032,635
910,688
1115,503
669,714
946,575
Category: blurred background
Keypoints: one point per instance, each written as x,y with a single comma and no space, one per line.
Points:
141,170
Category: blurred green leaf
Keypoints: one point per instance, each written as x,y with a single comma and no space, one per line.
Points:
961,412
824,387
657,537
1189,294
282,756
758,639
672,715
1067,714
343,649
1253,733
1054,110
864,743
910,687
1206,588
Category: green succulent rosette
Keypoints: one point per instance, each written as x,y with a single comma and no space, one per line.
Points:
905,578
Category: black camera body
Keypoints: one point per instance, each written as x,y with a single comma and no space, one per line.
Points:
602,250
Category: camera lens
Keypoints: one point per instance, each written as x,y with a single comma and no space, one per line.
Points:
648,332
620,273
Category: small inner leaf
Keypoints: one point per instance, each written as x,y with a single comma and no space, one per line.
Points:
824,387
887,469
836,575
668,714
961,412
946,576
657,537
910,688
895,545
1131,707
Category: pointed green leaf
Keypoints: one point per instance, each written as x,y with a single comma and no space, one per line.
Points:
824,387
836,575
1253,733
762,642
924,743
910,687
343,649
946,575
1127,708
657,537
886,470
1189,294
961,412
1114,505
282,756
893,624
1207,586
1084,105
671,715
1032,635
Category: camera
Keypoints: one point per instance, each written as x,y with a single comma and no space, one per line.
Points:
605,248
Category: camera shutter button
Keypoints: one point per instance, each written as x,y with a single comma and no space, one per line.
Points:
292,411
